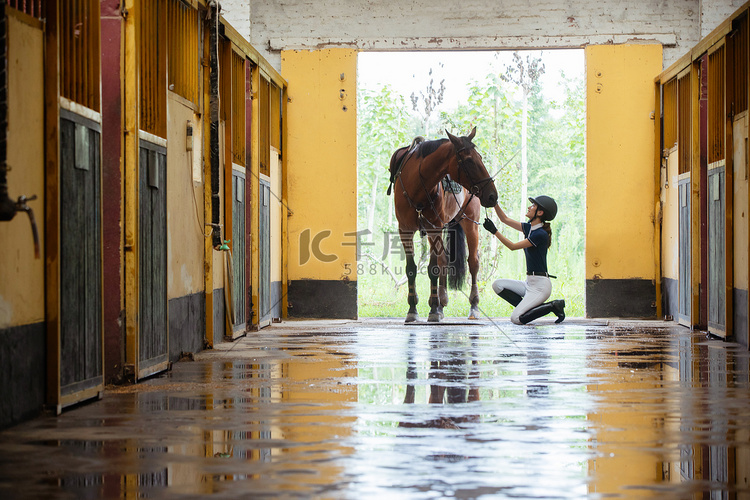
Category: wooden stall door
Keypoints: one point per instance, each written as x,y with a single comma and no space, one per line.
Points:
264,254
239,259
684,314
81,367
716,193
716,250
740,229
153,348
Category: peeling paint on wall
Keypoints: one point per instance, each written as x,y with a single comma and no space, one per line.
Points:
475,24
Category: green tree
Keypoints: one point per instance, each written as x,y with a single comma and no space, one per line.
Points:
384,125
558,162
555,160
431,98
490,106
526,75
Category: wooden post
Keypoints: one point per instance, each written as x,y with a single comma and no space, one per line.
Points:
249,128
728,196
52,204
225,100
285,212
695,200
208,249
747,162
658,209
131,112
254,174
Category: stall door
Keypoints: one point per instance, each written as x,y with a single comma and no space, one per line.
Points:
81,373
153,350
238,250
264,254
716,250
685,285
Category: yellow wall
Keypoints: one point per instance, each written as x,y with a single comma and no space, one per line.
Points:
740,136
184,221
329,430
620,160
322,158
627,429
21,275
670,219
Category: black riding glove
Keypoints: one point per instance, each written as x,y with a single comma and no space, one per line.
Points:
489,225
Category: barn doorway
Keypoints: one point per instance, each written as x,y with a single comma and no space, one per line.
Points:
404,94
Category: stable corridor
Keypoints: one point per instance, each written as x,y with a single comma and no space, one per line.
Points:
377,409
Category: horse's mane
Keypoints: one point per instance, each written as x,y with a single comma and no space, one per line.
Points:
428,147
418,147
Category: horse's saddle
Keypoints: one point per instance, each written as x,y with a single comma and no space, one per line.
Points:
451,186
395,172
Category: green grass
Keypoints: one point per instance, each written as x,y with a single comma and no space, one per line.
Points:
378,297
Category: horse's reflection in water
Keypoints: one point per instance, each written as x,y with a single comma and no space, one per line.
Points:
453,379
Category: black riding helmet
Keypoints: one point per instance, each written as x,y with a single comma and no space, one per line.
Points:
547,204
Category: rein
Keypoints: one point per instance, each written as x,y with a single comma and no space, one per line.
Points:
462,213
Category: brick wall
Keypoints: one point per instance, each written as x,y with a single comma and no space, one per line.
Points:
473,24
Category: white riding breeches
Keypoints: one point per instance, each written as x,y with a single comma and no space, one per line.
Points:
534,291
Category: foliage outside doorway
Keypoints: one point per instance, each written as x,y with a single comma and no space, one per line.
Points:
533,139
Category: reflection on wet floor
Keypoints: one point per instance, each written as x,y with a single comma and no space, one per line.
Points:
378,409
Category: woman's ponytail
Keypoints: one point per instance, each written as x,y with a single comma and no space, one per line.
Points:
548,228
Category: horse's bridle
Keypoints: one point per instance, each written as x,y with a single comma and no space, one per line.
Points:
476,186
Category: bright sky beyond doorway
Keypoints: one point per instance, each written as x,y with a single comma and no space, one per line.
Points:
409,71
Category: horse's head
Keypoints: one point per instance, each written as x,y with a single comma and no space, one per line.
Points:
471,172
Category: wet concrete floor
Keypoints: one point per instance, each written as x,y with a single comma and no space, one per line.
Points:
377,409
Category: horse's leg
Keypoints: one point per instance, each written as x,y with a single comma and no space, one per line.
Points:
407,240
443,280
436,243
443,287
472,242
437,389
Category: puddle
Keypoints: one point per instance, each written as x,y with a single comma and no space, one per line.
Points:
559,411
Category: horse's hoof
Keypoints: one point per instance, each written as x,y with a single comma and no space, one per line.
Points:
435,317
411,318
474,314
443,296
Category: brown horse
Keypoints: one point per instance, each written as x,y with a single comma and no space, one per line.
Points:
424,204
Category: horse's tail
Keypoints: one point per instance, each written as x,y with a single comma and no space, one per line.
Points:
455,242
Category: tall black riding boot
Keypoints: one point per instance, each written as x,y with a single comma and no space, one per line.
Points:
556,306
510,296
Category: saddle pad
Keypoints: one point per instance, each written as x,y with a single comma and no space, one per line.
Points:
450,186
